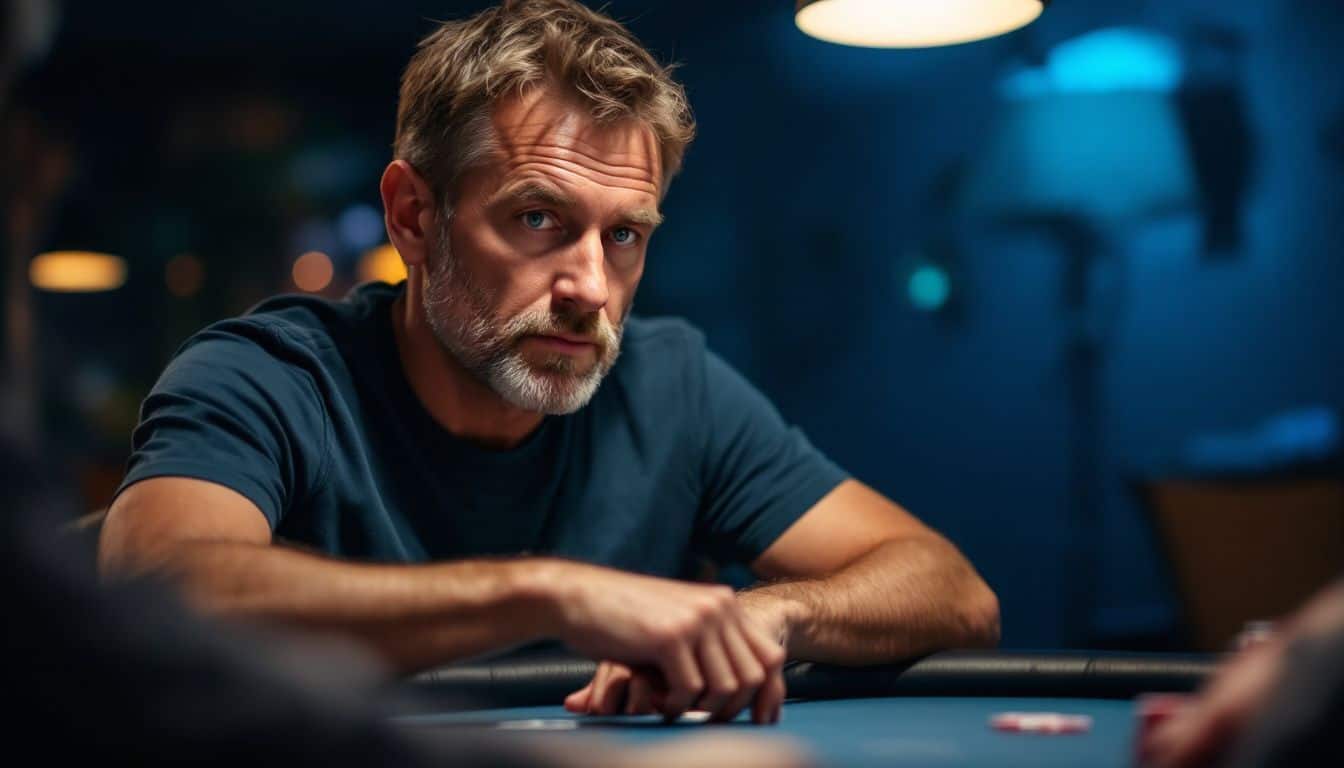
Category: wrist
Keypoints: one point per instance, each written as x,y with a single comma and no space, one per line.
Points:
783,616
545,589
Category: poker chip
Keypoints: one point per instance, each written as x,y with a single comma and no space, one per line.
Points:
537,724
1040,722
1150,711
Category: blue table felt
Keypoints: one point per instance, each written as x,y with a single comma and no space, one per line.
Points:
896,731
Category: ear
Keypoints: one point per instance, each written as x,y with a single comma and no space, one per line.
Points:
408,211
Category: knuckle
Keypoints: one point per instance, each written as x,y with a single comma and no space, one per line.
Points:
705,609
669,632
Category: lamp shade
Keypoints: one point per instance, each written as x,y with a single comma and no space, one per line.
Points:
913,23
1106,158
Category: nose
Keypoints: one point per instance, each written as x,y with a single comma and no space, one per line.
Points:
581,285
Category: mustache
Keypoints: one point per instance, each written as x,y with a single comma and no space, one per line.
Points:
593,327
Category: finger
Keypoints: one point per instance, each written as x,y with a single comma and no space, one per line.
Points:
750,672
598,686
640,694
776,693
612,698
720,679
684,681
578,700
770,697
1186,739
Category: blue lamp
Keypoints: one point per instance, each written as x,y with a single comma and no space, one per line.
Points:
1086,147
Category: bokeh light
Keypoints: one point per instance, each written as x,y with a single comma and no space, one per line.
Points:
929,288
382,264
184,275
313,271
77,272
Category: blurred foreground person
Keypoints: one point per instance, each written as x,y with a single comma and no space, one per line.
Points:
1279,702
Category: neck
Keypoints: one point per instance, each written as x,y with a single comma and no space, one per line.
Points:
457,400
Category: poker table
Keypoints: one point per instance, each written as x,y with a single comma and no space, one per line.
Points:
929,712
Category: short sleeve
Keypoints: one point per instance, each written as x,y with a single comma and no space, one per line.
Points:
761,475
230,411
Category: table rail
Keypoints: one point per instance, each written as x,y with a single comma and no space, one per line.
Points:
547,679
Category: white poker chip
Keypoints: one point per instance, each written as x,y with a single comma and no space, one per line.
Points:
1040,722
538,725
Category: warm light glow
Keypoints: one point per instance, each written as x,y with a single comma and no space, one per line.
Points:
77,272
382,264
184,275
313,271
913,23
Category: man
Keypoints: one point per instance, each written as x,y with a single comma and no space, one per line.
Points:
461,464
123,675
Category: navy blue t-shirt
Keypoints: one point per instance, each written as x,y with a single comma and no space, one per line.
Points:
302,406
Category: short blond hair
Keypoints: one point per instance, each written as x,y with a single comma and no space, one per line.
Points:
463,68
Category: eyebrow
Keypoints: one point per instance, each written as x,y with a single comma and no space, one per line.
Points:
532,192
544,194
649,217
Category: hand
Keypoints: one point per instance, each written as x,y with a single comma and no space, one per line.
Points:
717,750
1203,730
671,646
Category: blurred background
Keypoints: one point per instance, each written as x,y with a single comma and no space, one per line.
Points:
1071,295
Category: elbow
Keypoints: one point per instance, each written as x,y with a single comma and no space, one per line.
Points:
980,623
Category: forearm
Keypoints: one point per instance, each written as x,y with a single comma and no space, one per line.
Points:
414,616
905,598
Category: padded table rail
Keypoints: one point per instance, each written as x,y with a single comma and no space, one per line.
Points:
542,680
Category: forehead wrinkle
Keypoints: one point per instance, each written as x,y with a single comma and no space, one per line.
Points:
580,171
596,160
570,143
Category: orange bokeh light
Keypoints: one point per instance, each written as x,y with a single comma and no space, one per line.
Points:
382,264
313,271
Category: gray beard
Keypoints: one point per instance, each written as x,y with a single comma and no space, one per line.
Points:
459,314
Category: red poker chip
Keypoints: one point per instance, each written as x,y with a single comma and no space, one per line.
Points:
1153,708
1040,722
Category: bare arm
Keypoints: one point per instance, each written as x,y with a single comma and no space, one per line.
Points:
858,580
217,545
861,581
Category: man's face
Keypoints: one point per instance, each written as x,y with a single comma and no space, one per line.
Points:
530,282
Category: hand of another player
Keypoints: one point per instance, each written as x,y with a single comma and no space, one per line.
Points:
1200,732
670,647
713,750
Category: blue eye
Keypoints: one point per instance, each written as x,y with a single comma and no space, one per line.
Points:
535,219
623,236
